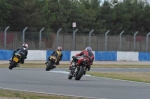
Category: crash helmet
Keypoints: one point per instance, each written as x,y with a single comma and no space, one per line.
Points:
59,48
25,45
88,48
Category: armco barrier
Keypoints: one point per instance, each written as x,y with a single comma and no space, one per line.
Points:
105,56
66,55
127,56
73,53
144,56
5,54
99,55
36,55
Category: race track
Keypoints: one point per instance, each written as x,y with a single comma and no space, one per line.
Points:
56,82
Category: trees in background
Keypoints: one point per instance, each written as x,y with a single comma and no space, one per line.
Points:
4,13
88,15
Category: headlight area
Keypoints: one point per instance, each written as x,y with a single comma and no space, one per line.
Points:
84,61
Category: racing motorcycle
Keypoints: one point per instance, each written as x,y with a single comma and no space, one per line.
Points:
15,62
79,67
51,63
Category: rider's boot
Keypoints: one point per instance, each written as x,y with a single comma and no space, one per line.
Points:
46,62
70,66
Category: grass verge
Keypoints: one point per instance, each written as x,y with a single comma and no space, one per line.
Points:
9,94
131,76
42,65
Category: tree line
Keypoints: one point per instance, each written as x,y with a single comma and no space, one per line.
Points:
129,15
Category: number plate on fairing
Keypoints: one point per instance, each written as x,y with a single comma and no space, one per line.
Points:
15,59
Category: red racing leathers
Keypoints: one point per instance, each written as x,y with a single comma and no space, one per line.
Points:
88,54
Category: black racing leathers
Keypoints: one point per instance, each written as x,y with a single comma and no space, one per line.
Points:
23,52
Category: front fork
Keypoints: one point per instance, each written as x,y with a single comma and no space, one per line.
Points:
73,68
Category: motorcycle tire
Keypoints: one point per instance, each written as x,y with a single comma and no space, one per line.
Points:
80,73
49,66
12,65
70,76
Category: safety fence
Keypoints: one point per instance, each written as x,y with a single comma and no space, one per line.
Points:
67,55
106,41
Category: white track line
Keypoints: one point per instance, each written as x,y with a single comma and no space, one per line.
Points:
65,72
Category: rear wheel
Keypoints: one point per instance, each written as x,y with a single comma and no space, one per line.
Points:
49,66
80,73
12,65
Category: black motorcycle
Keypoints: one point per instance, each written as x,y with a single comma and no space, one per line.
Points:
15,62
51,63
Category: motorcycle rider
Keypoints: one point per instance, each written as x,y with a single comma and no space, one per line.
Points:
58,55
23,51
88,53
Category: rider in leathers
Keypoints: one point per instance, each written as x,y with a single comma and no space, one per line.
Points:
58,55
23,51
88,53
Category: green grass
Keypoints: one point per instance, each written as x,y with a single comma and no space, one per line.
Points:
131,76
9,94
42,65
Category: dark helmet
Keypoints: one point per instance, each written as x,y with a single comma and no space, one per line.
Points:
59,48
88,48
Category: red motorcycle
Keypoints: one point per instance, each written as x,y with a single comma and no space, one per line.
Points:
79,67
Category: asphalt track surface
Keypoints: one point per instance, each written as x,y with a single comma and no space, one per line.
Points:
56,82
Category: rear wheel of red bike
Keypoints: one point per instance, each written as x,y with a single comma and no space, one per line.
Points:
80,73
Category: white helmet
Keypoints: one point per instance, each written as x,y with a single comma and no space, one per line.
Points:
59,48
25,45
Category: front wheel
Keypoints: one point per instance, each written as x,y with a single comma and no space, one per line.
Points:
12,65
49,66
70,76
80,73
